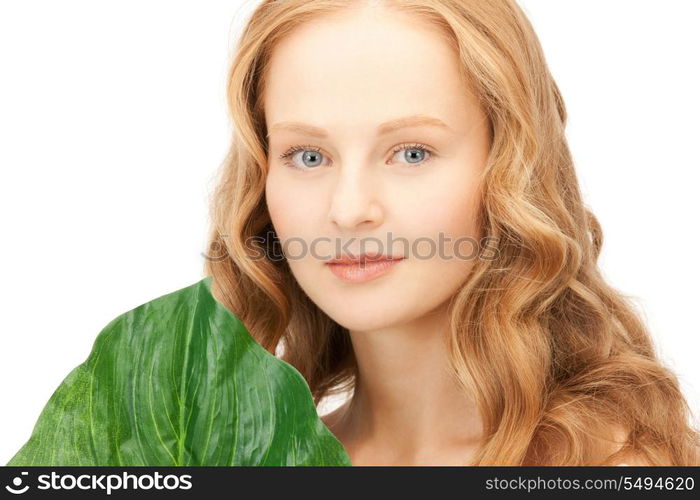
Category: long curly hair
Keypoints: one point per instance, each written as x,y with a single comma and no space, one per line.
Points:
559,363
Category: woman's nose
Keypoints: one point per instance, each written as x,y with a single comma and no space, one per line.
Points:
353,201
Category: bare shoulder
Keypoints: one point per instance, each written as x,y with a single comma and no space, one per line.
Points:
628,457
633,461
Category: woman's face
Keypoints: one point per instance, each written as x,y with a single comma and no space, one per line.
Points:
384,147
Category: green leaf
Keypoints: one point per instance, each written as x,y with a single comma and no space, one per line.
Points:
179,380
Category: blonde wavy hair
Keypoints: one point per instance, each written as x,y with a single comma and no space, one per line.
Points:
561,367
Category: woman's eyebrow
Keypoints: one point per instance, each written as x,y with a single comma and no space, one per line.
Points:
383,129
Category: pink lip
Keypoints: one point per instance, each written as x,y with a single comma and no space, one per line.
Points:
356,272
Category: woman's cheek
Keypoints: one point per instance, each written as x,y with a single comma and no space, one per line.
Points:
283,206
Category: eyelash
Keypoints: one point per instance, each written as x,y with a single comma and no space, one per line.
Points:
401,147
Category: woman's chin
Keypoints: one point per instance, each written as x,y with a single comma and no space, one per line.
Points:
365,318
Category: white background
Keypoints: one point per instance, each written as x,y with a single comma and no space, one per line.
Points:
113,123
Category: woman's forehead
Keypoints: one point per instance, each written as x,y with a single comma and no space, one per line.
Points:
367,71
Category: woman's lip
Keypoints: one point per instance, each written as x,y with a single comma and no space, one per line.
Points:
357,273
363,257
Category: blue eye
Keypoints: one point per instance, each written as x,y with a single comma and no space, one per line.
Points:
312,157
414,153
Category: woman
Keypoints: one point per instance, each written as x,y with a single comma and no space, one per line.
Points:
423,142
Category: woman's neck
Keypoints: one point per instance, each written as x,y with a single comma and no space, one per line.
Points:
407,407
